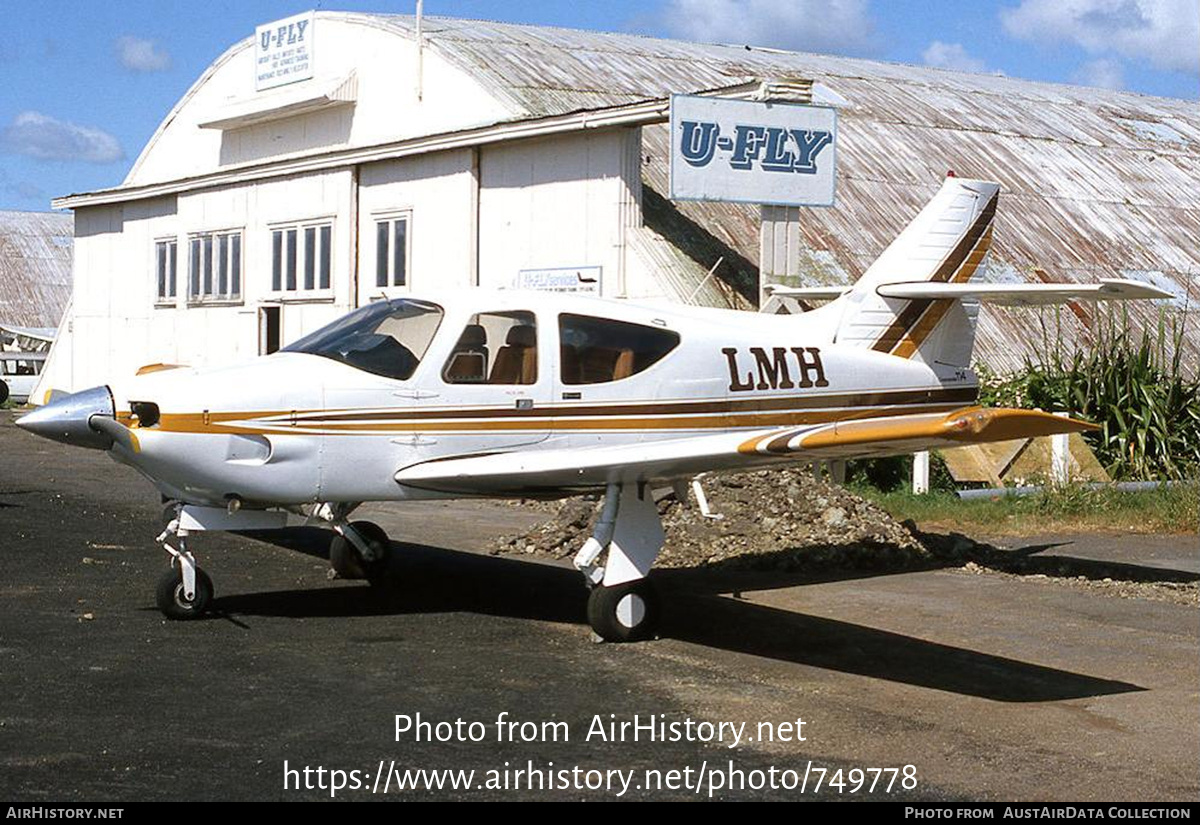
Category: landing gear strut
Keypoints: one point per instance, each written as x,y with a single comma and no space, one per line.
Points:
623,605
184,591
360,550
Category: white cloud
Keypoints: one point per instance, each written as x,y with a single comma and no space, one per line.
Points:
1164,32
1102,73
140,55
951,56
828,26
40,136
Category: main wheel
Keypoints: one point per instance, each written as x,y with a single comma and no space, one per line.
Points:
349,563
3,391
171,599
624,612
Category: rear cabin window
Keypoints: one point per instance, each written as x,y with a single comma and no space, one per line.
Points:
495,348
600,350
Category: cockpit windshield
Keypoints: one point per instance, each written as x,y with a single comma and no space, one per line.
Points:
387,338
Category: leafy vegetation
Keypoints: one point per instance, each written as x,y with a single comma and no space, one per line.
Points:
1134,387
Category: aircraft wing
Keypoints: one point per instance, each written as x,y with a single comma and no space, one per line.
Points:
1109,289
553,471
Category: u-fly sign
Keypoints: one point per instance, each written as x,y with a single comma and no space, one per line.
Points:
745,151
283,51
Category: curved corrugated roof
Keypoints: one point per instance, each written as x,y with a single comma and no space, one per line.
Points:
1095,183
35,267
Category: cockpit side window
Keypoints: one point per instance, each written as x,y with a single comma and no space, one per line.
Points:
600,350
494,348
387,338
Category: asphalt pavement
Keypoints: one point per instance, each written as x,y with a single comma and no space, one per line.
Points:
991,687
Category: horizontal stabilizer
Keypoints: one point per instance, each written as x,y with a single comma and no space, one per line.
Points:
807,293
1023,294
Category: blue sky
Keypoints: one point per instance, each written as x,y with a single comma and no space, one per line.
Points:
84,85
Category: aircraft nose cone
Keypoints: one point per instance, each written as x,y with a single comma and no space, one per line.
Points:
67,419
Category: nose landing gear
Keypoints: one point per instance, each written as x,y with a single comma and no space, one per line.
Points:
184,590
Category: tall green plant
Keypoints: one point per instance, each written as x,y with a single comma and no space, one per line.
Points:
1134,387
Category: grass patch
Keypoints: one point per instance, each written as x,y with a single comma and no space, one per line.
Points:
1072,508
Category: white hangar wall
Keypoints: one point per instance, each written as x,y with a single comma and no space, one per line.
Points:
476,215
559,202
386,108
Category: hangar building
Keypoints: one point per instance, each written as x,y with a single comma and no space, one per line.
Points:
35,269
496,154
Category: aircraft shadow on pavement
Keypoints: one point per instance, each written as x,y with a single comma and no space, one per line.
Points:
426,579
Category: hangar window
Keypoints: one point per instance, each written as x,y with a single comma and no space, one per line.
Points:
301,257
391,251
166,268
215,267
599,350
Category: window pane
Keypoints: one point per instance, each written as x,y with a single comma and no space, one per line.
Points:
161,260
400,253
223,265
387,338
194,286
496,347
172,267
310,257
599,350
326,256
381,253
290,265
235,265
208,265
277,260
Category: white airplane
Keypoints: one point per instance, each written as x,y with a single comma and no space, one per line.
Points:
508,394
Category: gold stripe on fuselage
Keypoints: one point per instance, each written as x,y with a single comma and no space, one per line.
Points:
698,415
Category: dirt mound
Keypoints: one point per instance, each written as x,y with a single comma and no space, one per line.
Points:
770,520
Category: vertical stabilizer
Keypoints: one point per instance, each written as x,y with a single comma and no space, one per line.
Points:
947,242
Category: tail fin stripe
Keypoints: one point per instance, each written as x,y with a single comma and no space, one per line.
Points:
911,342
950,268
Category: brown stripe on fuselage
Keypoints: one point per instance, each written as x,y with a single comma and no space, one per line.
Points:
907,317
793,409
657,408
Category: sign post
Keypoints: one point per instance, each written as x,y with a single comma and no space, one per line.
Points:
782,156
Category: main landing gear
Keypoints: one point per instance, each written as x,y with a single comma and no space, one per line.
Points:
360,550
623,605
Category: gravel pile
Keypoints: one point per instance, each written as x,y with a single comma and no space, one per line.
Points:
771,520
787,520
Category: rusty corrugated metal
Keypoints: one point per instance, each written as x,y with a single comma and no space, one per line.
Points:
1096,183
35,267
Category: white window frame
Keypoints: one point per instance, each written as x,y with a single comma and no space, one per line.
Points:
390,218
203,287
166,292
303,256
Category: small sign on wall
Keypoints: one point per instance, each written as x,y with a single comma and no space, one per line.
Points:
584,279
283,51
750,152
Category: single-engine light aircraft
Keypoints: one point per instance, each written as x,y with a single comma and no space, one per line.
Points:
513,394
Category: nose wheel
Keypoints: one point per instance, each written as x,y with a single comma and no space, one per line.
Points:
360,550
626,612
172,597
